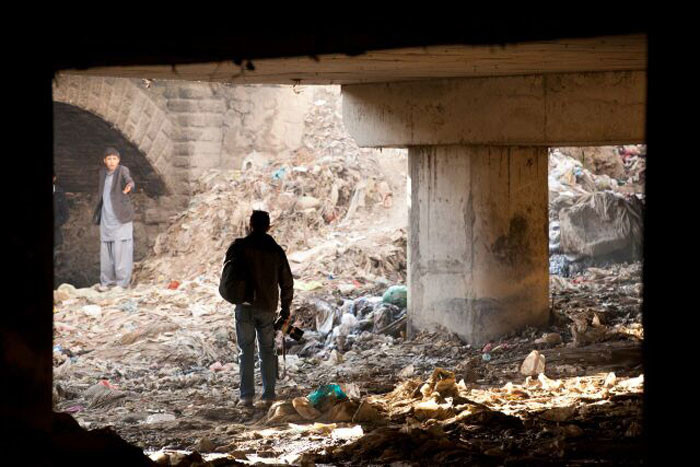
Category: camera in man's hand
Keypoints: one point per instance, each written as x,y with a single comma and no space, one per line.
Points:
284,324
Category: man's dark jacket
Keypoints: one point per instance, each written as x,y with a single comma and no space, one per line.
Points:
267,269
121,203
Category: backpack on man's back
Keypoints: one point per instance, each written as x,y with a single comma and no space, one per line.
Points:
235,285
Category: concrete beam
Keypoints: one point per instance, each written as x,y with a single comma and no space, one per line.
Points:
577,109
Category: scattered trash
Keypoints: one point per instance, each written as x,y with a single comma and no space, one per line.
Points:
307,286
347,433
159,417
93,311
173,285
407,371
326,396
396,295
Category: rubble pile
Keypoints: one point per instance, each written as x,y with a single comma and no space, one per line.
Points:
595,219
314,204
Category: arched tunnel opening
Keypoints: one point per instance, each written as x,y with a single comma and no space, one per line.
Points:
80,138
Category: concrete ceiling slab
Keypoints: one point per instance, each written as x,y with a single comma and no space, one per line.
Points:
609,53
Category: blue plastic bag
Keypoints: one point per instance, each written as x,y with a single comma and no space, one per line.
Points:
326,395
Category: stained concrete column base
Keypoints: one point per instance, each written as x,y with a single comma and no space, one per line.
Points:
478,240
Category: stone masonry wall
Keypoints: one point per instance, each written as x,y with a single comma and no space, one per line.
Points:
198,126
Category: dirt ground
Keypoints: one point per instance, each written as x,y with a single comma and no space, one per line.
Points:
158,362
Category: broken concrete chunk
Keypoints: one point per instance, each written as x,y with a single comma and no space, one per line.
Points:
533,364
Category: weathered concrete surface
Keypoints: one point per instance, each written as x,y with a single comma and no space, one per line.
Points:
603,53
577,109
477,253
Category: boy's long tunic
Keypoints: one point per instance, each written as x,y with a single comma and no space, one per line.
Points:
116,250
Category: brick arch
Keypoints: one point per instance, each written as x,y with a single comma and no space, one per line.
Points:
129,110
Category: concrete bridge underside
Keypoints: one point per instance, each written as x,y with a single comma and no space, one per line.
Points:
477,121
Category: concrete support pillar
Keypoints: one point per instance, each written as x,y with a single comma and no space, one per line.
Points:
477,251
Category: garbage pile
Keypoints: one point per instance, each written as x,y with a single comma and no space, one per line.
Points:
595,219
159,364
315,205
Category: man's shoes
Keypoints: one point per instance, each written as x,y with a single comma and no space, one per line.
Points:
102,288
245,403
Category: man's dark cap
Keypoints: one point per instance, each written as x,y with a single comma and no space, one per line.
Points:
260,220
110,151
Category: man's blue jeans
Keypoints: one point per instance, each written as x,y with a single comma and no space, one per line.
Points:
248,322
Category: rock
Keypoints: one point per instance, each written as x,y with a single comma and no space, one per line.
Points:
533,364
67,289
305,409
610,380
216,366
602,224
205,445
551,338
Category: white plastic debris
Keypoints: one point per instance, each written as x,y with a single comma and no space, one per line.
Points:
94,311
160,417
347,433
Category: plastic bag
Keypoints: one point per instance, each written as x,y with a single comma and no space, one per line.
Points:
325,396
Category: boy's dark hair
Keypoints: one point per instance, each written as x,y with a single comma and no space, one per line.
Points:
259,221
110,151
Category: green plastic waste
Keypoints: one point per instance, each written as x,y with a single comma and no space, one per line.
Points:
326,395
396,295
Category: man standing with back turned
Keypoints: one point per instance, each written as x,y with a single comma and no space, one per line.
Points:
114,214
268,269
